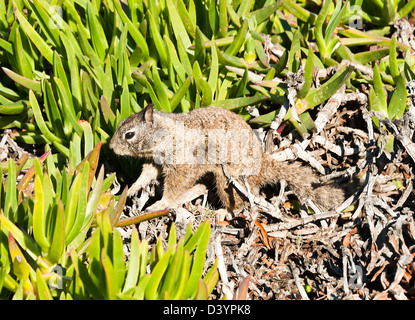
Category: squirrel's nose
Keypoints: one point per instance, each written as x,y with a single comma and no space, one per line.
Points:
112,144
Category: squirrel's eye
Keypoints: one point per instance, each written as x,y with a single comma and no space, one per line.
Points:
129,135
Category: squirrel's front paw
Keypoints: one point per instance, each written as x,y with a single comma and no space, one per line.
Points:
159,205
134,189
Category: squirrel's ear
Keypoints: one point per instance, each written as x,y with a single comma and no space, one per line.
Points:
148,114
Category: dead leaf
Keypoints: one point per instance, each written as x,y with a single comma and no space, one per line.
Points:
264,235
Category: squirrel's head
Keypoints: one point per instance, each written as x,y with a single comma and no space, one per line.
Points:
134,135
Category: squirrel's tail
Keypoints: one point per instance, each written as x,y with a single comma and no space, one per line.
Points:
302,181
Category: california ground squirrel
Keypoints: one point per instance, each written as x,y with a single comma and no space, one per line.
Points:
186,147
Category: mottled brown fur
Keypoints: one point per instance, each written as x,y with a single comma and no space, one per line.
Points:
142,135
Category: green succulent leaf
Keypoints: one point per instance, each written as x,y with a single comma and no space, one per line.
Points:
317,96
